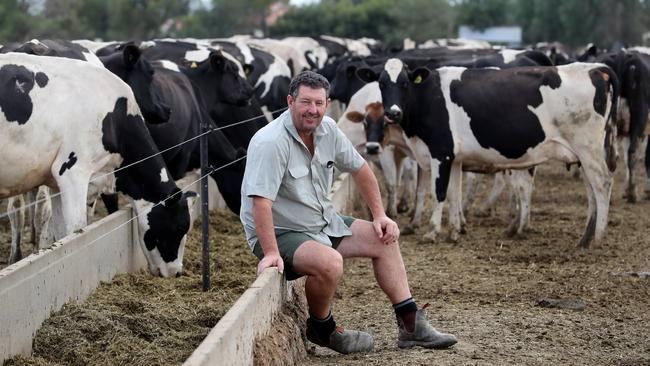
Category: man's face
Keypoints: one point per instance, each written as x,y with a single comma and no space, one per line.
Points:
308,108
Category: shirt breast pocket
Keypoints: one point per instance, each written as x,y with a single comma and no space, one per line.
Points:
298,178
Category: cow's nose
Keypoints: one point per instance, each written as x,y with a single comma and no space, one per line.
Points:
372,148
394,115
178,274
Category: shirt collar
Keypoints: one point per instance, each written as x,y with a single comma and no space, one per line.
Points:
288,124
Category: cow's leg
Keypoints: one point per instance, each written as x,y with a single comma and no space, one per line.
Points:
472,184
73,185
423,176
30,199
598,182
528,182
454,195
514,211
407,184
631,143
647,168
43,216
440,172
497,187
110,201
390,168
521,185
16,209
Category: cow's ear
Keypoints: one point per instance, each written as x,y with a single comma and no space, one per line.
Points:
355,116
217,61
367,74
419,75
131,54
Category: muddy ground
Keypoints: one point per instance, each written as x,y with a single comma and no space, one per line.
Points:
486,289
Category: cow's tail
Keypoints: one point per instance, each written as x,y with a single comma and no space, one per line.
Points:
613,88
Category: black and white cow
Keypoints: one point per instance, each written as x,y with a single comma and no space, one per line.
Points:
384,147
68,136
487,120
55,48
633,70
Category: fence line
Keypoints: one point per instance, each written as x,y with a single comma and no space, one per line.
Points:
184,189
9,212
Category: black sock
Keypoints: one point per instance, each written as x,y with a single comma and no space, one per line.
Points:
405,311
323,327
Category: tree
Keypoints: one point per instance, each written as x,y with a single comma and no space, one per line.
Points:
16,23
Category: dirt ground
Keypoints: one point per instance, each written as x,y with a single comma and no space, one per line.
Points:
487,290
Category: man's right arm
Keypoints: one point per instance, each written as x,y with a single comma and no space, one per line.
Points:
263,218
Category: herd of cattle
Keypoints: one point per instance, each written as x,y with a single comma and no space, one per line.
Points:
96,118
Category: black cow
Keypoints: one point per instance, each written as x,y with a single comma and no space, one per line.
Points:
267,73
177,137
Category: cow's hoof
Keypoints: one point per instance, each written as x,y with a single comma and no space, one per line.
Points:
453,237
408,230
630,195
428,238
514,234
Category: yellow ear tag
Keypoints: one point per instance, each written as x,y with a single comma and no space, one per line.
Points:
194,65
418,79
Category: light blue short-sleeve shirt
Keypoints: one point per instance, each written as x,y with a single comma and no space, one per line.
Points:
280,167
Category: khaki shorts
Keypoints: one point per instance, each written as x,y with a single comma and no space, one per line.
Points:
289,242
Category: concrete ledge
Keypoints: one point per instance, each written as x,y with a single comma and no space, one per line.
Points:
231,341
71,269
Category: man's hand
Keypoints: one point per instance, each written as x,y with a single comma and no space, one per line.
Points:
386,229
273,260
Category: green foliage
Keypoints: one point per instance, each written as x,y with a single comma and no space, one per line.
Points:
574,22
381,19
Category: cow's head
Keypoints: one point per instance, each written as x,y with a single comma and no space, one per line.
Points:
373,125
395,82
345,82
163,228
226,75
137,72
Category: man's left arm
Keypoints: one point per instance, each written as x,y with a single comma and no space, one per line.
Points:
366,183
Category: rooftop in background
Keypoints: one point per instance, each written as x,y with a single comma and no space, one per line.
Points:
511,36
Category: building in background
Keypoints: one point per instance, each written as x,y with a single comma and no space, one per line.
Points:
508,36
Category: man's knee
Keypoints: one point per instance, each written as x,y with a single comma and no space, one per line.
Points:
319,260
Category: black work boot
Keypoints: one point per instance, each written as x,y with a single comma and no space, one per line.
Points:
423,335
342,340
